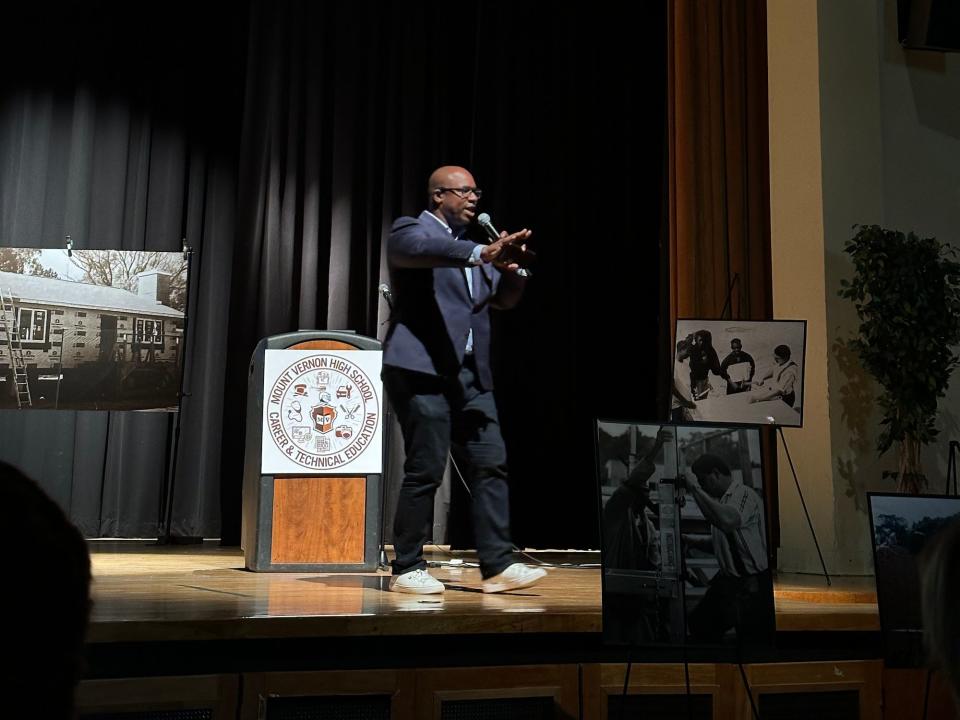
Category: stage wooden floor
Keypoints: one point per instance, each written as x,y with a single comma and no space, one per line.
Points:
171,621
145,593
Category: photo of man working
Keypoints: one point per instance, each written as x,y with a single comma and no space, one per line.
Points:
740,595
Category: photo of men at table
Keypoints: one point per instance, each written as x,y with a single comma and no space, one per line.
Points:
739,372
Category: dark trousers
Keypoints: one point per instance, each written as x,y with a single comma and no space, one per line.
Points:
435,413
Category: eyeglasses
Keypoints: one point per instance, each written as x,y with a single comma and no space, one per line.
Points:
462,192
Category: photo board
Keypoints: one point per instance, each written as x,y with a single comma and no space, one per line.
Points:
91,329
743,372
683,535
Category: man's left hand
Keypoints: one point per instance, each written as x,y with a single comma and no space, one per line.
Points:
503,253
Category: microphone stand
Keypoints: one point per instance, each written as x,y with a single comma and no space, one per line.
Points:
382,563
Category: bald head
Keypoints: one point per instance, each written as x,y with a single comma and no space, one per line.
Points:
449,195
448,176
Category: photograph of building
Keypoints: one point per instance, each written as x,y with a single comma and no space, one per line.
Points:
79,345
902,526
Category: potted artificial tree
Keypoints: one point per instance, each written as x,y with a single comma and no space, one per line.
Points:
906,291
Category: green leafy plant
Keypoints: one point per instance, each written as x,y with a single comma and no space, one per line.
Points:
906,291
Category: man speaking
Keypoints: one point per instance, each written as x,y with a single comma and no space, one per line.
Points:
438,378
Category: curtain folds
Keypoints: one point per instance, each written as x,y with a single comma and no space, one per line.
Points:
346,113
281,139
111,138
719,165
718,177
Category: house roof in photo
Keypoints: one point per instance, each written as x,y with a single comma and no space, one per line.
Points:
65,293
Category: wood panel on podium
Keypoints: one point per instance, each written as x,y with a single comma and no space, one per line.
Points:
318,523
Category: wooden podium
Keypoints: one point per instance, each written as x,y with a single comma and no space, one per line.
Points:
310,523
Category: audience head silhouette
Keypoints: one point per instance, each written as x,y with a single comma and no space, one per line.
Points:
48,602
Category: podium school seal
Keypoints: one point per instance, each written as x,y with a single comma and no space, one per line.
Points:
322,412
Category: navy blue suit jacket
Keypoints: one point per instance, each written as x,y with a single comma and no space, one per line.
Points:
432,309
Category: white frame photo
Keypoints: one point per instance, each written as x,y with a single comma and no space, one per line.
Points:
759,383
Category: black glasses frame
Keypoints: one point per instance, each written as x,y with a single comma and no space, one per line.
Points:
462,192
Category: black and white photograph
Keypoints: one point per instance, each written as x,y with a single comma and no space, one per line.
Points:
640,534
683,528
91,329
743,372
728,587
901,527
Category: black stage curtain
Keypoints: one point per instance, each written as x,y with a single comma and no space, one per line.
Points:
341,112
119,129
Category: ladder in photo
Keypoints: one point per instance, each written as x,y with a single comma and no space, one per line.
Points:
10,334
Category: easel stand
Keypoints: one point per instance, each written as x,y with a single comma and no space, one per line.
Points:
164,534
746,686
626,681
926,694
803,503
952,468
728,305
382,563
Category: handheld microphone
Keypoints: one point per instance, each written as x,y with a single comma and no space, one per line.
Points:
483,220
387,294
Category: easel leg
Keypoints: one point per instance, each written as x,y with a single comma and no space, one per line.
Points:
952,468
804,504
746,686
626,680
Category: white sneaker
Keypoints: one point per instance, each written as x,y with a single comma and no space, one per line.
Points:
418,582
516,576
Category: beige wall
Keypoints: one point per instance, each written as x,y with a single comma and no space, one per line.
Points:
796,224
852,163
860,132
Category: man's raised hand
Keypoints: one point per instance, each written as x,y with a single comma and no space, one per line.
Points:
499,251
